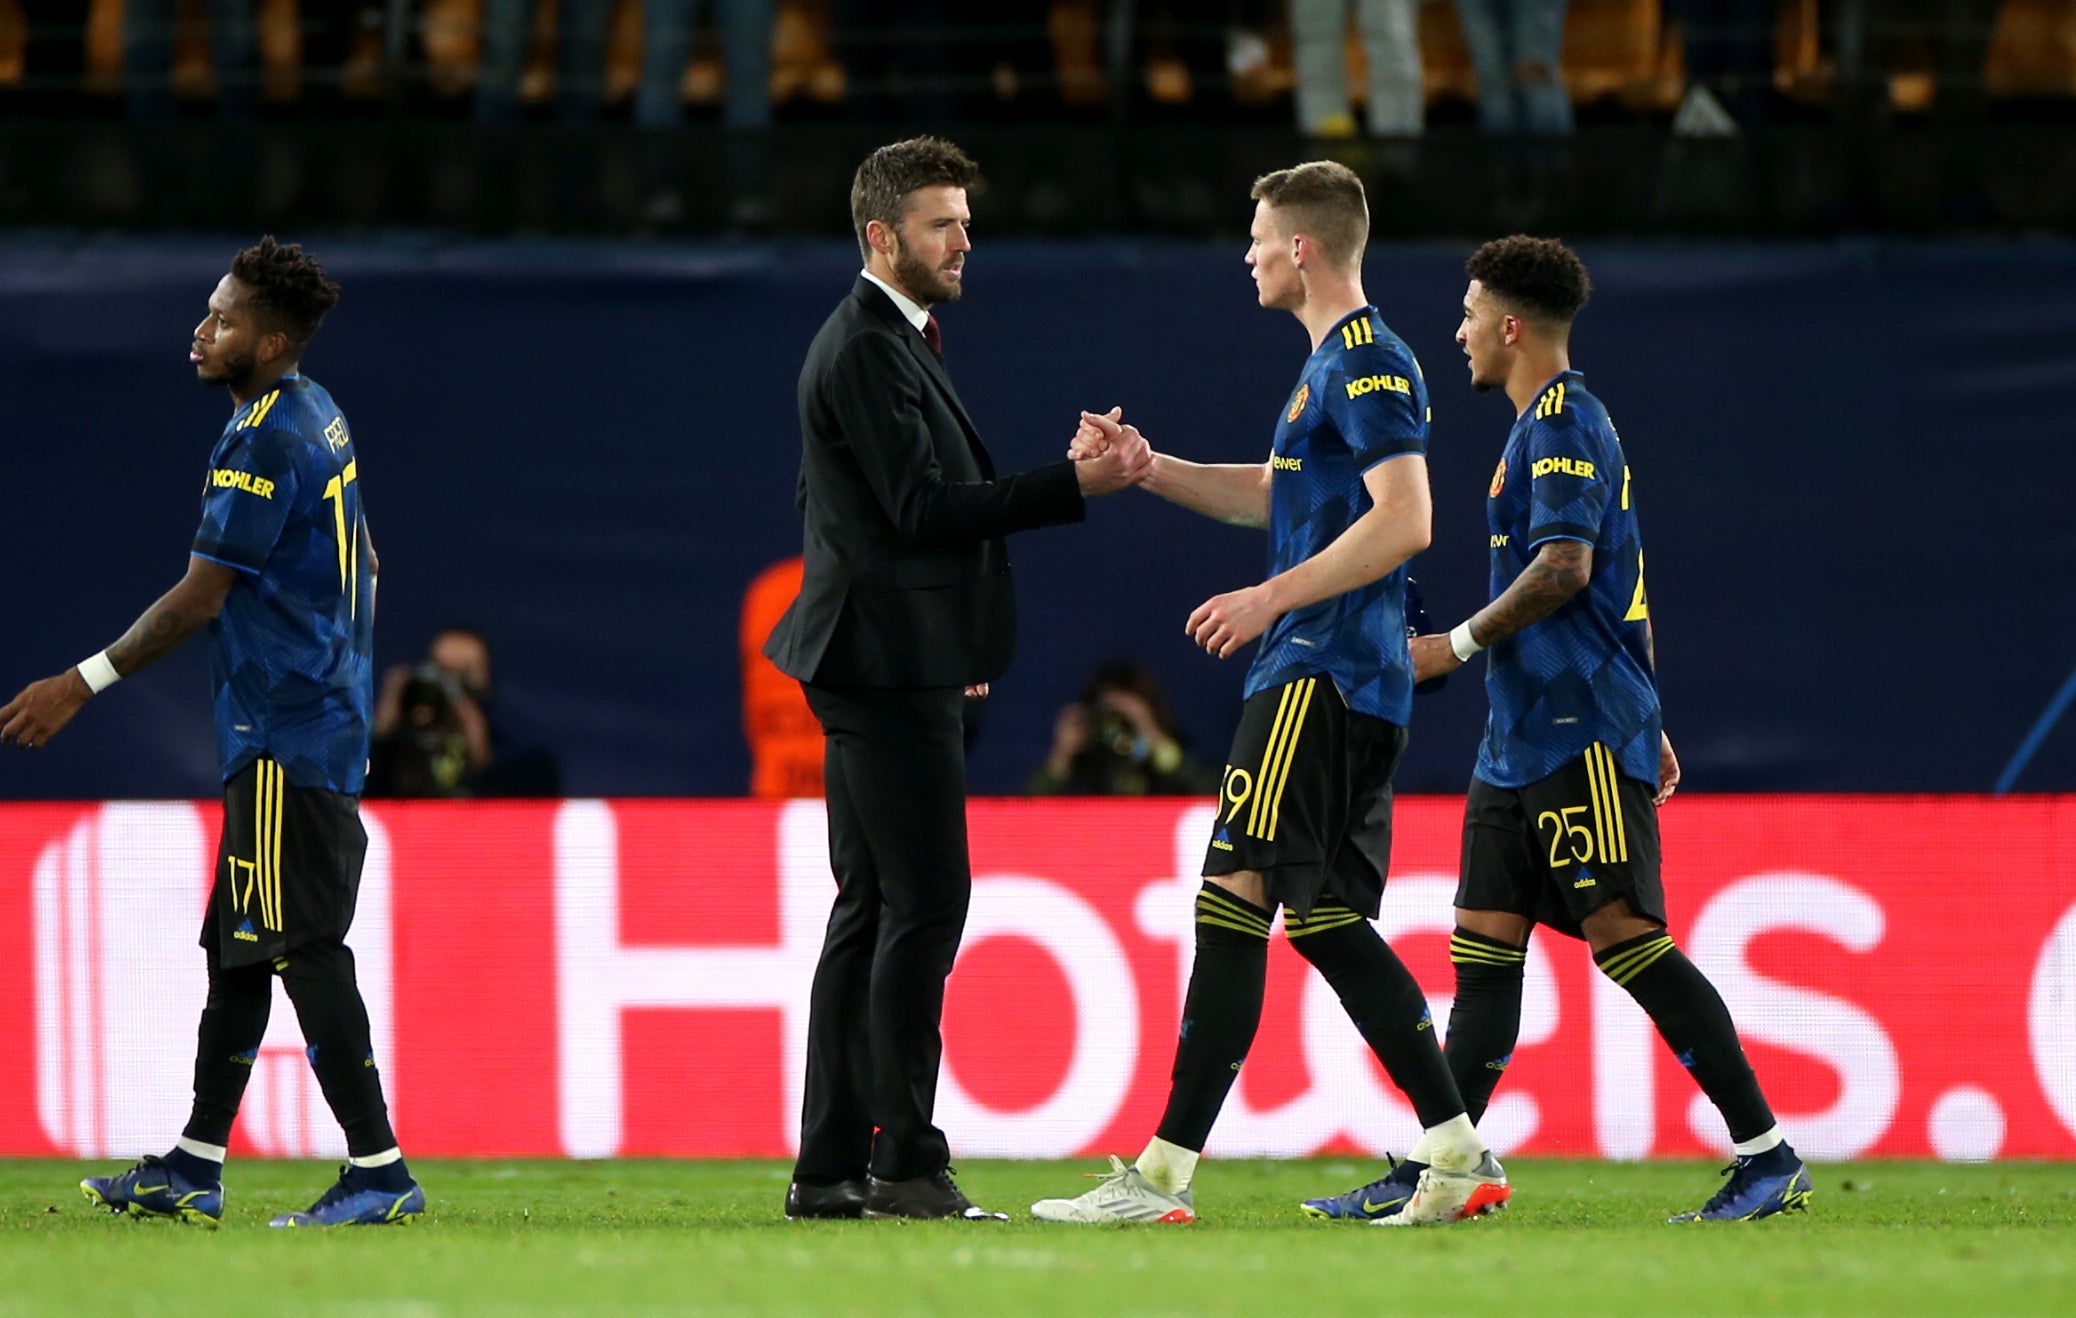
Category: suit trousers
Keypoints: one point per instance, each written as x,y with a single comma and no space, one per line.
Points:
895,771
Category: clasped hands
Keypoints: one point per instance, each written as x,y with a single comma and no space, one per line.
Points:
1109,456
1221,624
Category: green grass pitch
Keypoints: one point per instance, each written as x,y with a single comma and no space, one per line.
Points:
1584,1238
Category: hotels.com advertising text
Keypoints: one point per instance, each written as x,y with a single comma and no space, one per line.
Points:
630,978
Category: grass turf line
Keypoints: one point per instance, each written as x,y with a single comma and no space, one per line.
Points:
1585,1238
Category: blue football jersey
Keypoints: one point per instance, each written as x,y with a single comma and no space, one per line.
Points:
1583,674
1360,401
292,653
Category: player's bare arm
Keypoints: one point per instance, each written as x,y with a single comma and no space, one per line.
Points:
1562,568
1397,526
42,709
1234,493
178,614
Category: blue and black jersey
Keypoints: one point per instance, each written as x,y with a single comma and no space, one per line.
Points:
1583,674
292,654
1360,401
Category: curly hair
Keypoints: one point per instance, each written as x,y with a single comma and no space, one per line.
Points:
880,189
1540,277
1324,200
289,291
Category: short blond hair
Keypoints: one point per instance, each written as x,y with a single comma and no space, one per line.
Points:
1324,201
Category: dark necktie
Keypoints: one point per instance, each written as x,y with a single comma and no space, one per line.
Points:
933,335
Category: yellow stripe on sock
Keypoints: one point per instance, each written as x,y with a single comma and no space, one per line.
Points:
1212,896
1628,965
1220,922
1646,962
1316,925
1463,951
1231,911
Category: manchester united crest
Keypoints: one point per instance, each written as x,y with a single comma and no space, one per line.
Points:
1499,478
1297,403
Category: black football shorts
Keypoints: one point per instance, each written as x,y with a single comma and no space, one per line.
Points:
287,867
1560,848
1306,798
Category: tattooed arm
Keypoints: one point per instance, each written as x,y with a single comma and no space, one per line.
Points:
43,708
1560,570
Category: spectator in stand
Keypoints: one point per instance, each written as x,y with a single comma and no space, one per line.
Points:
785,738
1013,54
53,58
935,62
148,33
580,56
342,49
1120,739
1728,46
667,26
1517,48
435,734
897,67
1210,40
1391,51
1958,33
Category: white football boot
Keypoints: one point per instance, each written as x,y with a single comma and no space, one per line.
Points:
1453,1196
1122,1195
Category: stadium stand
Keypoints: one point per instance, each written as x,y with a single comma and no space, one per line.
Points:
1621,52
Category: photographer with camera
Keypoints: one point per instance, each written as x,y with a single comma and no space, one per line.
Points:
434,734
1120,739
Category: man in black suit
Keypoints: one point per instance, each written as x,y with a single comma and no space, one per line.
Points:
905,612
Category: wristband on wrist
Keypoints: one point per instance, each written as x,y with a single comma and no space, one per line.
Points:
99,673
1460,641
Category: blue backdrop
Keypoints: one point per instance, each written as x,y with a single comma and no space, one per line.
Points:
1852,462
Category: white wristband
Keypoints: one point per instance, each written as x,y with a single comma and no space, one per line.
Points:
99,673
1460,641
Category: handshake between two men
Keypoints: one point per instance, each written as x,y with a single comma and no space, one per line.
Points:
1111,456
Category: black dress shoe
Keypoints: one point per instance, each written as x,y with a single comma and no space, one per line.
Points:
933,1197
843,1199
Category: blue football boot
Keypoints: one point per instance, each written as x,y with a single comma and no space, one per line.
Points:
355,1200
1379,1199
152,1189
1759,1186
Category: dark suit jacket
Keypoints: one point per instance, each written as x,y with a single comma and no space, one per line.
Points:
907,578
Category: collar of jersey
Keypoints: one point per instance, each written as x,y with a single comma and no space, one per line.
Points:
293,377
1366,309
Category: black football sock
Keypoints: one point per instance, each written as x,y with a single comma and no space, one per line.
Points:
1694,1023
1220,1013
1383,999
319,980
1486,1019
234,1020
